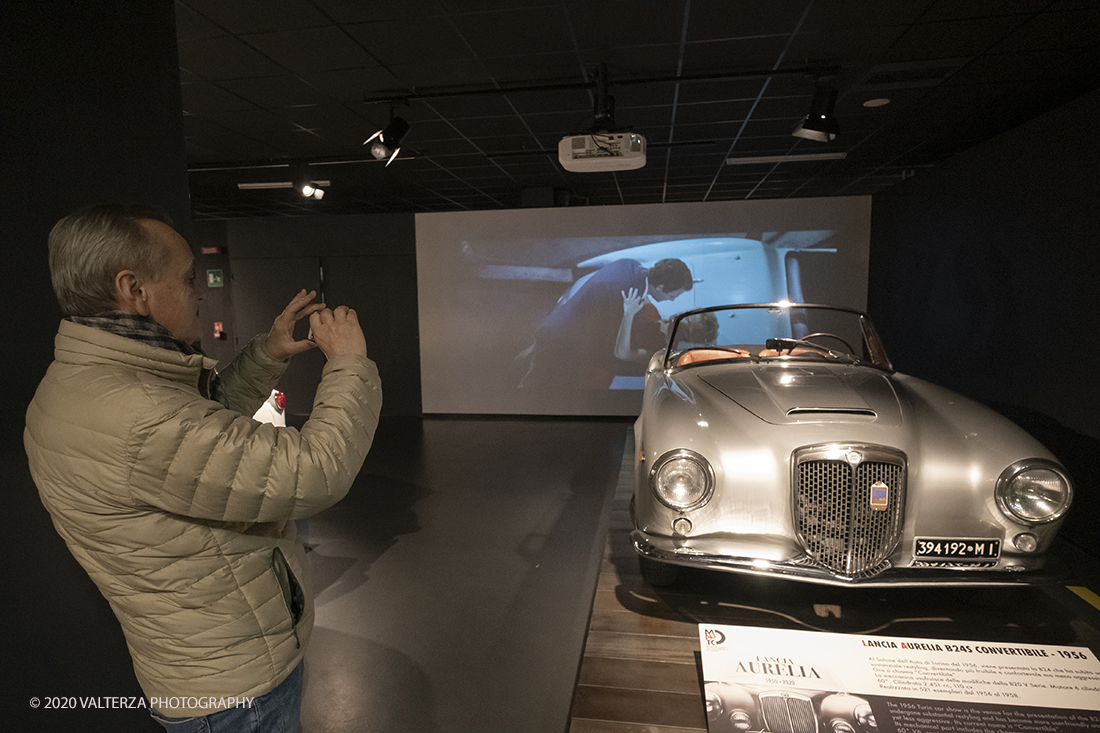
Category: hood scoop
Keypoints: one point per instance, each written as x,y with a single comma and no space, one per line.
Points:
811,413
790,394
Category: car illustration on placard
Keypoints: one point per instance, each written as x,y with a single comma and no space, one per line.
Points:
735,708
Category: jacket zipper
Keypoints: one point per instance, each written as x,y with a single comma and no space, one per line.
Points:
293,596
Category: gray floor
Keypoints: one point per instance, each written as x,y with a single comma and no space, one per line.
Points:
454,584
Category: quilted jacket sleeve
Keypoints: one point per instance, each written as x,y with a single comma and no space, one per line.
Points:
248,380
196,458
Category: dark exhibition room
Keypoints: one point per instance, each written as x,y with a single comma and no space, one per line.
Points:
729,366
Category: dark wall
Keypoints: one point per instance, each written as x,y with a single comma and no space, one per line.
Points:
365,262
217,303
983,278
89,111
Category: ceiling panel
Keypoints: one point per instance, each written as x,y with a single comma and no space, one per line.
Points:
722,19
544,29
224,57
410,40
489,87
308,50
357,11
599,26
242,18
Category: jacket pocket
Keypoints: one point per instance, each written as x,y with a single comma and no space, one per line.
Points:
293,595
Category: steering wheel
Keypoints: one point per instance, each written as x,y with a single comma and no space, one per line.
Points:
821,334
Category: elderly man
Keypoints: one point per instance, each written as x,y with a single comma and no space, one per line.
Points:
178,504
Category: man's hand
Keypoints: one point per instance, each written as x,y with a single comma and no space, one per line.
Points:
633,302
337,332
280,339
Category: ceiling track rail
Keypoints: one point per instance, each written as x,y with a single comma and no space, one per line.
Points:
396,97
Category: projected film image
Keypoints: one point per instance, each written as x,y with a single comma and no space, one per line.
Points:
520,324
600,333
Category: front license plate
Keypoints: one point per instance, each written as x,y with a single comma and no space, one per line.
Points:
957,549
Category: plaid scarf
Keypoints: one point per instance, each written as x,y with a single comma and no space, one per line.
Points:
147,331
136,327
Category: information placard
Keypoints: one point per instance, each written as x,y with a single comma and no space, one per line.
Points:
759,679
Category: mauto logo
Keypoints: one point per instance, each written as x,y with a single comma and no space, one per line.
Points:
714,637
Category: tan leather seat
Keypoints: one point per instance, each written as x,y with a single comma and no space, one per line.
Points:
697,355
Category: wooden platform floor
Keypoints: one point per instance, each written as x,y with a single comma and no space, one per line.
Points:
640,668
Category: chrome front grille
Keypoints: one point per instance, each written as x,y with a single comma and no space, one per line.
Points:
788,713
835,518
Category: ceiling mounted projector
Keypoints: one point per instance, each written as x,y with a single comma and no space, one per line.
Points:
602,151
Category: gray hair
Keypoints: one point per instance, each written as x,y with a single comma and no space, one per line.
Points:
90,247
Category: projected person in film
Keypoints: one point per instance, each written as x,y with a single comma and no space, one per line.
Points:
642,331
576,345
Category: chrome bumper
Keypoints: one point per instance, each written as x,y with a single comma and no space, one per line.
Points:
664,550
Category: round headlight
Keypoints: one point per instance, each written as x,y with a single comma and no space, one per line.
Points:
714,705
865,717
682,479
1034,492
740,720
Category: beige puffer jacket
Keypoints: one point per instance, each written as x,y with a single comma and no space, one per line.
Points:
180,508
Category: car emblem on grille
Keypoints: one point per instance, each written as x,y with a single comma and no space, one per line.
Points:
880,496
853,457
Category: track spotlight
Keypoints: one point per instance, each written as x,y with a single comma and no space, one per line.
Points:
312,189
820,124
386,144
306,186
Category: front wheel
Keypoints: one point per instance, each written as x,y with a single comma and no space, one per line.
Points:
657,573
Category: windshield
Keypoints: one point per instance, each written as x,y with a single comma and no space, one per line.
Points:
774,331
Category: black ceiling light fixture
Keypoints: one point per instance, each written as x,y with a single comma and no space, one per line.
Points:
306,186
386,143
820,124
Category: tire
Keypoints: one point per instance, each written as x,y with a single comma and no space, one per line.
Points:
657,573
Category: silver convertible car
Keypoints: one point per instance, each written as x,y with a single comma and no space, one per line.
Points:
777,439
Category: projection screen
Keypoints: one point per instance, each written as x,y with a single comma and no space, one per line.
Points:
522,311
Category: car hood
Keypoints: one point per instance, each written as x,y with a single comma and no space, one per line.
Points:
787,393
